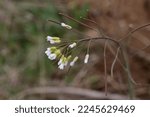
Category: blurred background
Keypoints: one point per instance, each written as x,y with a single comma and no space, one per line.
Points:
27,73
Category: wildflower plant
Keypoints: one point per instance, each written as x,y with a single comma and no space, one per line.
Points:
61,50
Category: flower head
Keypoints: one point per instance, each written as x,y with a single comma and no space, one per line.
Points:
86,58
53,40
63,61
52,53
66,26
72,45
73,61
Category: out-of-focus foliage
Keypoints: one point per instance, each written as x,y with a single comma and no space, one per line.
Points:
23,31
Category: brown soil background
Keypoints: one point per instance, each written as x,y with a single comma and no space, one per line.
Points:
117,18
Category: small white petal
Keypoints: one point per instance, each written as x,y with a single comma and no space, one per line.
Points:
66,63
63,24
52,41
72,45
72,63
60,61
48,52
49,38
61,66
52,56
86,58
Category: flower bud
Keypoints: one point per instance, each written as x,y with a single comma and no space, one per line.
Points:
72,45
66,26
86,58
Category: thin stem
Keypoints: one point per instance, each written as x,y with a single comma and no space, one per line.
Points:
81,23
134,30
89,20
105,67
56,22
100,38
119,61
88,49
76,31
130,79
113,64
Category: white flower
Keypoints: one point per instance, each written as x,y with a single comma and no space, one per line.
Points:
66,26
49,38
63,62
73,62
60,61
72,45
53,40
52,53
52,56
86,58
48,52
61,66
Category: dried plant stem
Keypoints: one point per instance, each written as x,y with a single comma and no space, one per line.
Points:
105,67
134,30
113,64
74,30
119,61
130,79
100,38
88,48
81,23
56,22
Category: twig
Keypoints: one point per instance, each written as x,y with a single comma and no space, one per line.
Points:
134,30
56,22
113,64
130,79
100,38
74,30
105,67
81,23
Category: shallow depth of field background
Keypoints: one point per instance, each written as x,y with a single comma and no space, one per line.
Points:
24,66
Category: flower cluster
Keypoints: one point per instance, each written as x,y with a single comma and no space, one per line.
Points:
62,52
